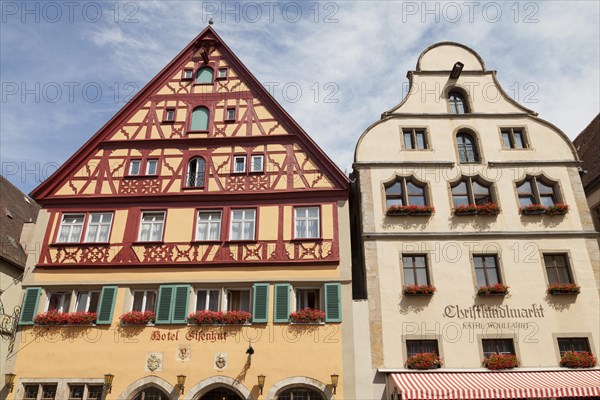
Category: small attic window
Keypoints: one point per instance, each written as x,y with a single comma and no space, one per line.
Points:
222,73
8,213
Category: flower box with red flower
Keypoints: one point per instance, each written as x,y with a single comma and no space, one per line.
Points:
488,209
423,361
208,317
501,361
55,318
410,210
493,290
563,288
418,290
138,318
466,209
307,316
557,209
578,359
533,209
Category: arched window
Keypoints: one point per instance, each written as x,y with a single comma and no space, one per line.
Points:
195,172
404,192
151,394
467,149
537,190
200,119
300,394
204,75
471,191
458,105
221,394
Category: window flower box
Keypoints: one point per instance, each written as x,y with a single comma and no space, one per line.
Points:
410,210
138,318
207,317
418,290
423,361
533,209
307,316
55,318
474,209
557,209
501,361
563,288
578,359
493,290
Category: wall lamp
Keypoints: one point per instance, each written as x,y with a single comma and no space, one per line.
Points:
9,382
334,381
456,70
261,382
108,379
181,383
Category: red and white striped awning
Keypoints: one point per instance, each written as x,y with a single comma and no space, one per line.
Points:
496,385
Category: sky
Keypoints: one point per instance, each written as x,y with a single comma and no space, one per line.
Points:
66,67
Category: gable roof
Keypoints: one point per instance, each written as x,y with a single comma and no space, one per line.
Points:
327,166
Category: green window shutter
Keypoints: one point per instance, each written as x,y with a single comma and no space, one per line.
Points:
282,302
333,302
106,306
165,297
181,295
204,75
260,305
29,307
200,119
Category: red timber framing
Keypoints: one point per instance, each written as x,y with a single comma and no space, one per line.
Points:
97,177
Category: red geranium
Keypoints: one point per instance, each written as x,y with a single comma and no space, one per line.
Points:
418,289
578,359
423,361
498,288
501,361
54,317
307,315
555,288
410,210
207,317
138,318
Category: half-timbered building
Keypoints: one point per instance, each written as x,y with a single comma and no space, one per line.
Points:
196,247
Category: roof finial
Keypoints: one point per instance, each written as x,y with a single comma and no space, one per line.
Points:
210,21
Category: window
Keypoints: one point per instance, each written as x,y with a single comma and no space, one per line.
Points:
238,300
70,228
458,105
307,225
421,346
187,74
76,392
239,164
537,190
467,150
31,392
169,115
257,163
557,268
230,114
471,191
222,74
95,392
308,298
208,225
573,344
144,300
48,392
404,191
497,346
59,301
513,138
151,167
204,76
134,167
151,394
98,228
87,301
195,172
151,226
300,393
242,224
208,299
486,270
415,270
199,119
414,139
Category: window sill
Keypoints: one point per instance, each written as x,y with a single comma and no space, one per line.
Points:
222,78
67,244
206,242
136,325
417,294
204,131
317,239
245,324
229,121
148,243
492,294
169,122
307,323
563,293
242,241
140,176
193,187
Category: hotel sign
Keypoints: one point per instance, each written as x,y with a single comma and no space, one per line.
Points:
483,311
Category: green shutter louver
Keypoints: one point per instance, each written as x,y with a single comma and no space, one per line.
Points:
106,306
163,311
200,119
204,75
261,303
29,307
333,302
181,295
282,302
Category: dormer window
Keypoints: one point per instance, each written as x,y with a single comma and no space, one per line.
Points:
457,103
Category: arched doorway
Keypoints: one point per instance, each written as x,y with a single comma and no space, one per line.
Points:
151,393
221,393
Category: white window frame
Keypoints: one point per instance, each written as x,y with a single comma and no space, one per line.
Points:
243,221
262,163
70,226
188,74
152,223
62,306
302,288
89,298
152,161
100,224
306,234
137,162
144,298
235,160
230,114
208,222
207,298
170,115
222,73
228,292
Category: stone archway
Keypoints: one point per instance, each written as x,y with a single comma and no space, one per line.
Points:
299,381
216,382
147,382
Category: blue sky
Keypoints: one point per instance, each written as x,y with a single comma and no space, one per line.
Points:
68,67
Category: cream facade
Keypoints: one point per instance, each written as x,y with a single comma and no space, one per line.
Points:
457,140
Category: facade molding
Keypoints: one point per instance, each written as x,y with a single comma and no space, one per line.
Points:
464,235
299,381
560,163
147,382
